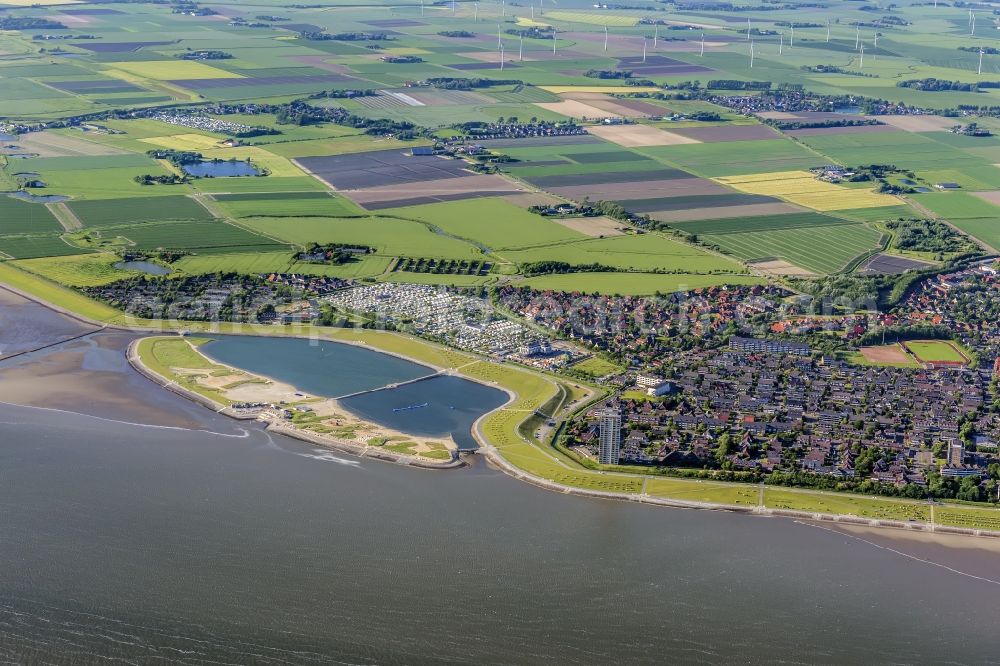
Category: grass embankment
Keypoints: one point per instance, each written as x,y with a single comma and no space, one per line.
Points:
58,296
170,356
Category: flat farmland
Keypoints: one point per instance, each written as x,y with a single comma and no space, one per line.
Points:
171,70
737,158
391,236
761,223
631,252
827,249
804,189
493,223
907,150
21,217
30,247
634,284
386,167
467,186
205,236
117,212
282,204
257,263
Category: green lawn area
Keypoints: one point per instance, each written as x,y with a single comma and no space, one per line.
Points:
166,355
968,516
595,366
703,491
932,351
844,503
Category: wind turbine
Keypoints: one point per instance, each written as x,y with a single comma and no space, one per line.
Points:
520,50
503,8
748,28
475,16
702,44
656,35
501,56
453,7
857,35
751,54
791,41
644,49
499,36
980,61
421,7
781,43
828,31
605,37
553,42
861,64
973,31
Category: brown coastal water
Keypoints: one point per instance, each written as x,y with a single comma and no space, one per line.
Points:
213,542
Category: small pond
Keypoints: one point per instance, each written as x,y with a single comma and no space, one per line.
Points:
38,198
147,267
226,169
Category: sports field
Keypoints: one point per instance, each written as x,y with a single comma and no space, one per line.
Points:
936,351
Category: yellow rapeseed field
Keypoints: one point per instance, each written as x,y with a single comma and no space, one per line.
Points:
804,189
196,142
172,70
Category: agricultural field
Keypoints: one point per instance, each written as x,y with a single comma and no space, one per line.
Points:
118,212
804,189
822,250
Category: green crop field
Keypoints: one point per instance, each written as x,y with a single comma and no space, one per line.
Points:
390,236
637,284
196,236
826,249
492,223
29,247
761,223
20,217
737,158
644,252
287,204
117,212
